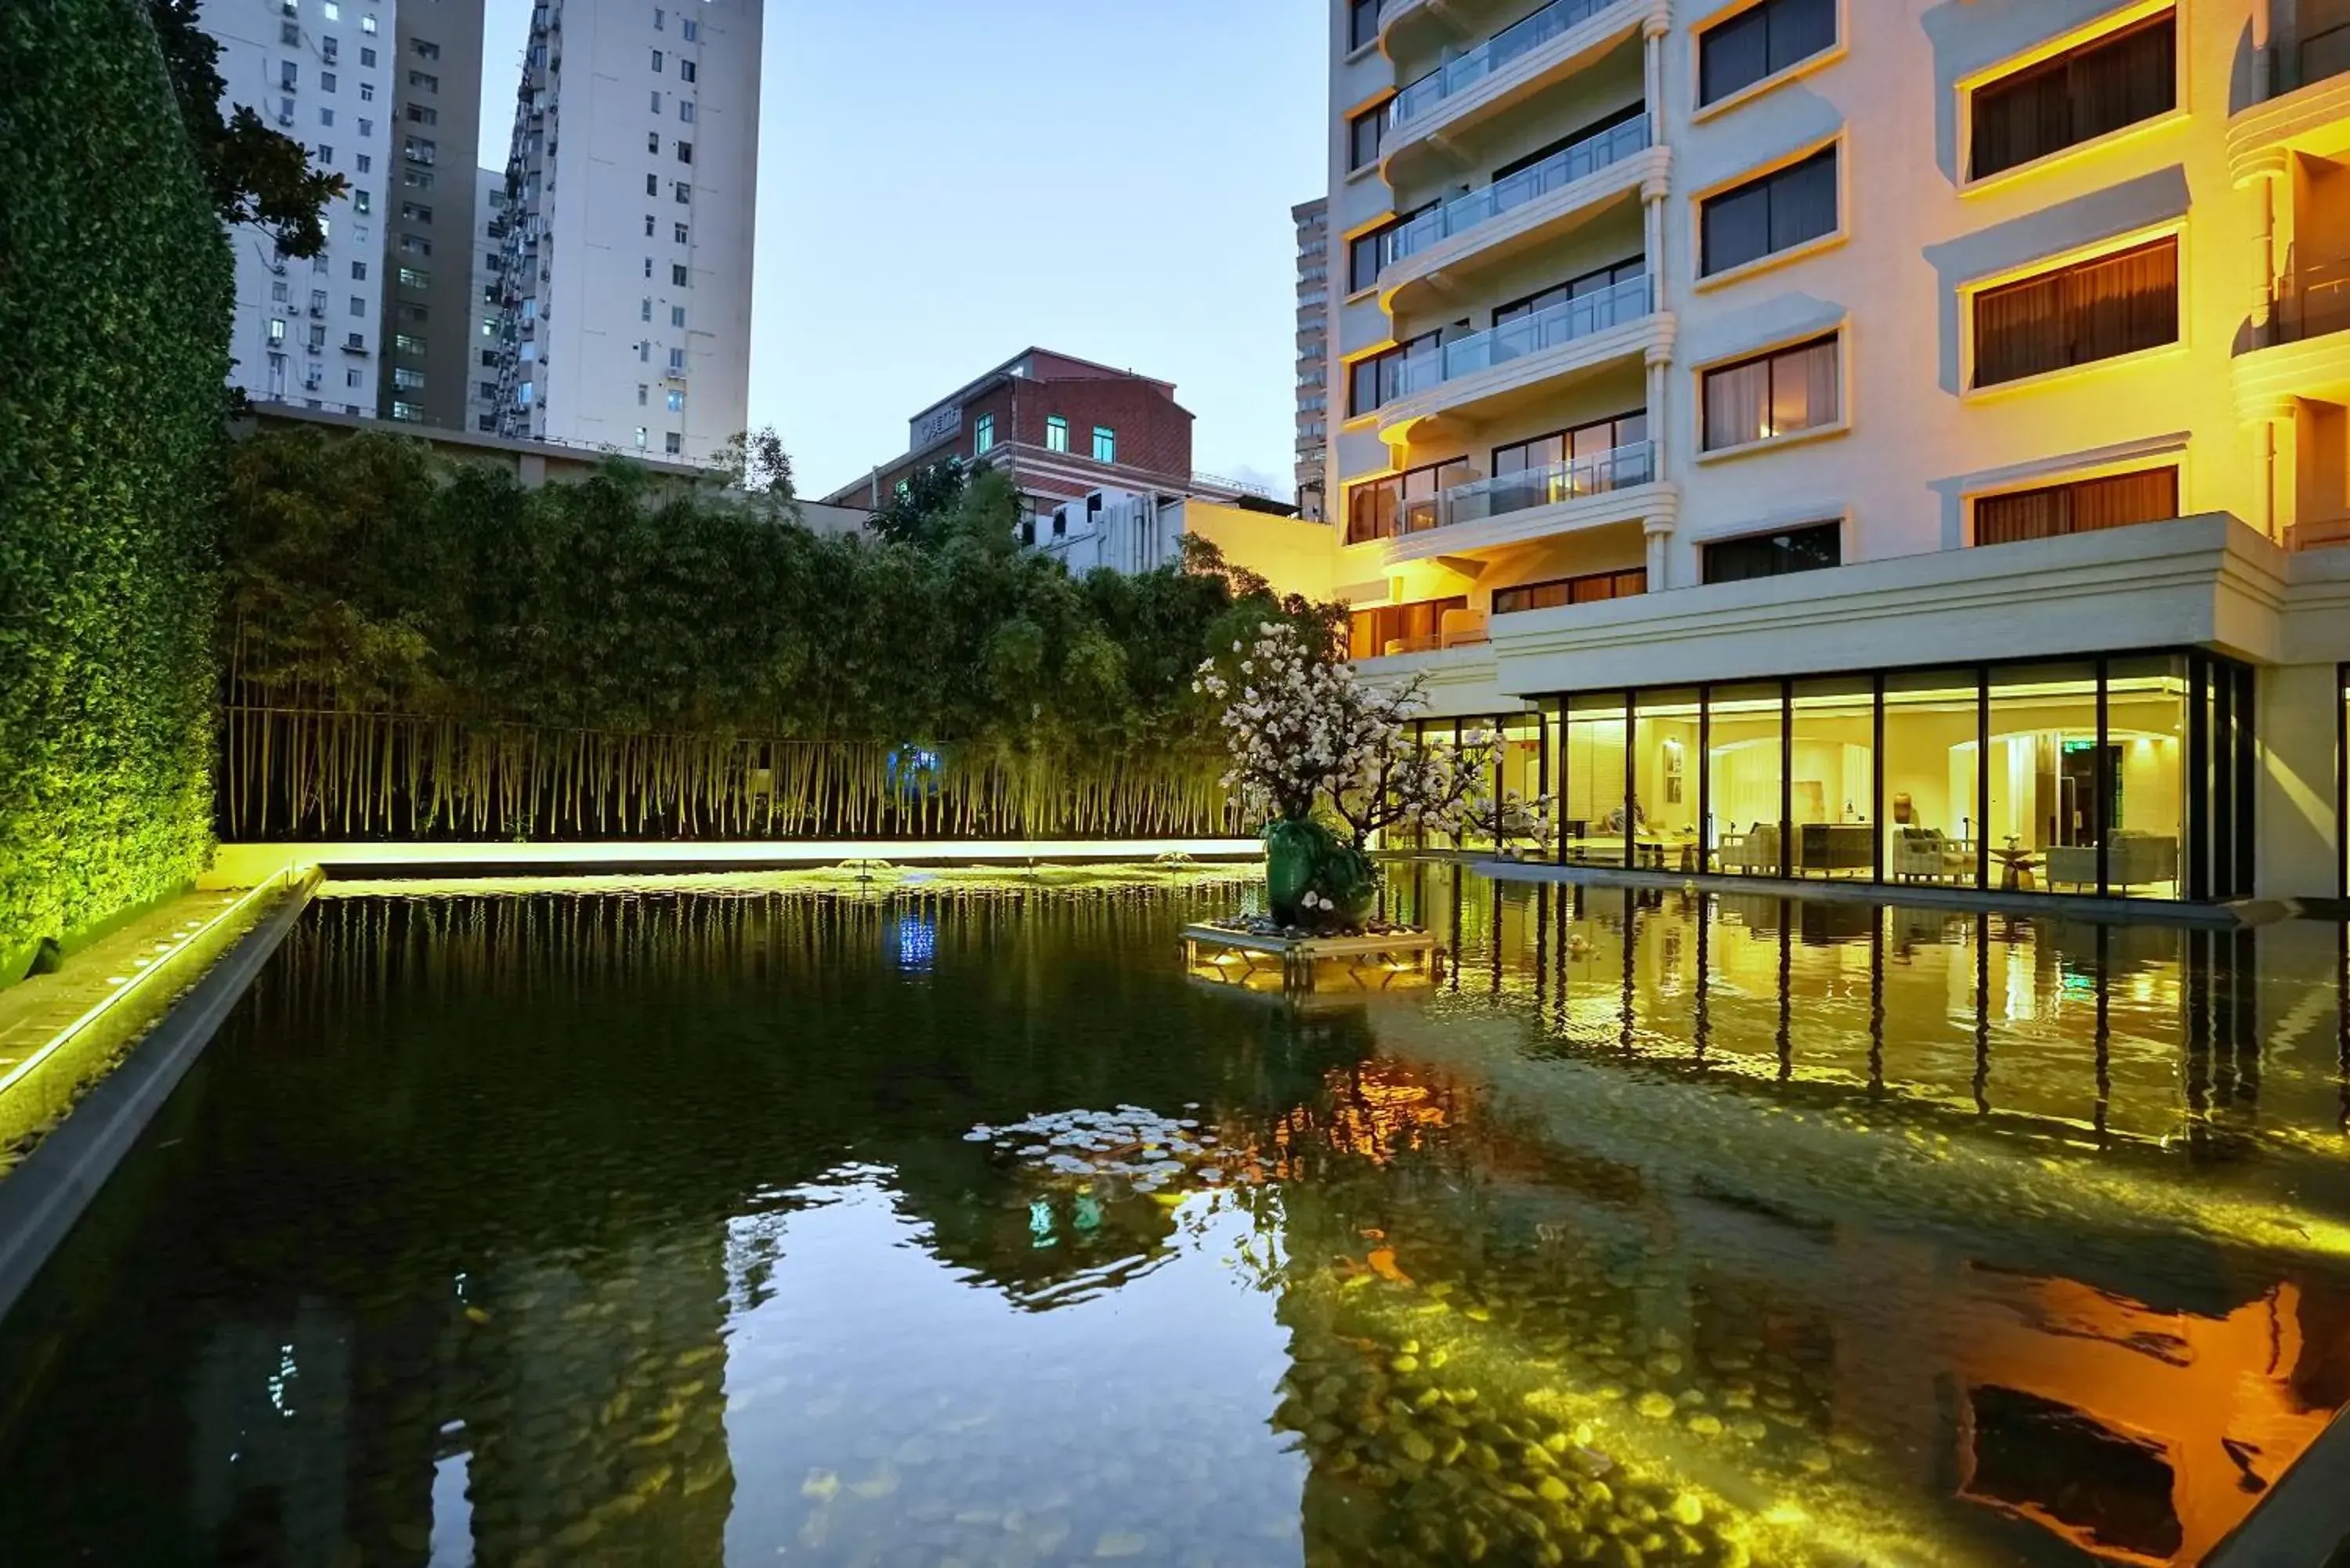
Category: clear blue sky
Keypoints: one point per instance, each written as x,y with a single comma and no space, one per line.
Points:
942,185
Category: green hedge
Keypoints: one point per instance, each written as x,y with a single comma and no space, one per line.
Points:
116,282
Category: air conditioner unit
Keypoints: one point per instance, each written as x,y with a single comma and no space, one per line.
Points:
285,119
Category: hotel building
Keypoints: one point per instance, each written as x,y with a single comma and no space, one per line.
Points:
632,175
1313,221
1890,440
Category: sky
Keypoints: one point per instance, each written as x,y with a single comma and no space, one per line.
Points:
944,184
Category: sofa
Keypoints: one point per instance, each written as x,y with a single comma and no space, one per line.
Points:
1923,855
1754,853
1824,848
2132,860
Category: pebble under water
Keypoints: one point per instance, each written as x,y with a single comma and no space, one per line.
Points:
965,1226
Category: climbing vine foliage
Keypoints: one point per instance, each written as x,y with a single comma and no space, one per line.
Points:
115,289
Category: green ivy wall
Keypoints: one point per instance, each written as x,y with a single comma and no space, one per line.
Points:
116,282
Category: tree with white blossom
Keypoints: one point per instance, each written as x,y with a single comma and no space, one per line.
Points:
1304,730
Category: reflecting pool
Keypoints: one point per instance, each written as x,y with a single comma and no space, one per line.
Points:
929,1226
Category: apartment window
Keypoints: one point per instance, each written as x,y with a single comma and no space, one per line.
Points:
2078,96
1778,212
652,145
289,33
680,234
417,179
1362,23
1773,395
643,436
685,191
1373,382
362,202
424,79
415,213
2083,506
407,411
1804,549
489,355
407,343
677,359
660,18
326,81
423,114
326,117
415,315
645,352
423,48
415,245
417,149
415,278
642,392
366,26
350,379
656,107
689,28
2098,309
677,276
649,226
677,316
656,60
648,267
406,379
1596,587
277,330
486,390
1760,42
652,185
677,402
1379,508
366,58
685,109
359,271
672,443
645,308
1365,132
685,71
278,292
358,305
982,440
289,76
685,152
1056,433
1105,444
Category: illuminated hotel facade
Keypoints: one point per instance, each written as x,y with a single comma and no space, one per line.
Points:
1893,442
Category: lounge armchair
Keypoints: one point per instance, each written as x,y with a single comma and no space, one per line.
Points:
2132,860
1753,853
1923,855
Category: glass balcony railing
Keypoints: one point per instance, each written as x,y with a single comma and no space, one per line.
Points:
1481,499
1563,323
1564,167
1474,65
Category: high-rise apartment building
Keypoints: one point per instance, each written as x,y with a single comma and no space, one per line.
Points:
1892,440
434,135
1312,219
633,176
308,331
488,264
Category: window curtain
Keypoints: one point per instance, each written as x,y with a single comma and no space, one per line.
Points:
1737,405
2091,506
1804,201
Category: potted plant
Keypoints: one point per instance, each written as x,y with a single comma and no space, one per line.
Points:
1325,761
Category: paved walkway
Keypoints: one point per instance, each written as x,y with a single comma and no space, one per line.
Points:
34,1012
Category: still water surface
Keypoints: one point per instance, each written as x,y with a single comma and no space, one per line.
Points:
966,1228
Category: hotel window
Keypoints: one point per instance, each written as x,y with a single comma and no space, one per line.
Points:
1804,549
406,379
1760,42
1400,502
1398,629
1362,23
1373,382
1365,132
685,71
1105,444
2078,96
1594,588
1367,254
1056,433
1776,394
983,438
1778,212
414,277
2083,506
2093,310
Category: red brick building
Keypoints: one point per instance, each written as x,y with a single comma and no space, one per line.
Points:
1061,428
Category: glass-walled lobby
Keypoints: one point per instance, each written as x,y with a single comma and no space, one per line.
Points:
2128,776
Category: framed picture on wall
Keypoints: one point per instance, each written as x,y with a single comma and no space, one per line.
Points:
1672,774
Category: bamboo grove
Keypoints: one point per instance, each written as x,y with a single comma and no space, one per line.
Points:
416,649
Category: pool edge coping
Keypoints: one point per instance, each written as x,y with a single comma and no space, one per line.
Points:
44,1197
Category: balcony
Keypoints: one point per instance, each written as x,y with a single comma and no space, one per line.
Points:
1597,491
1514,213
1556,41
2302,351
1487,372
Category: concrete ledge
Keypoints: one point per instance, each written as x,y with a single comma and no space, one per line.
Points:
249,864
43,1197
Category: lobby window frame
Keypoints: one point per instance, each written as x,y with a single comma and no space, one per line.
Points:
2217,774
2074,313
2062,67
